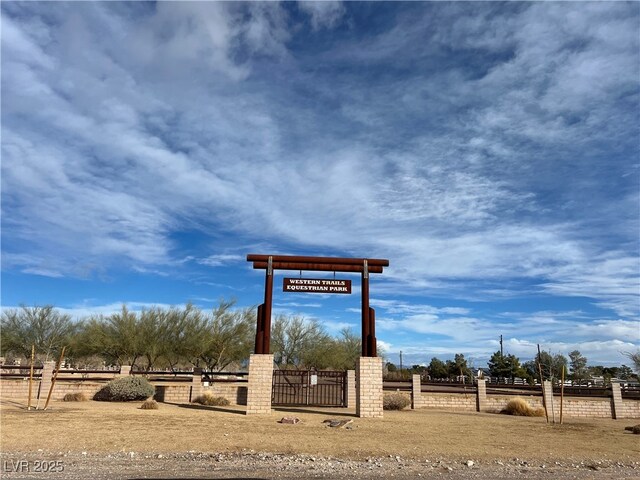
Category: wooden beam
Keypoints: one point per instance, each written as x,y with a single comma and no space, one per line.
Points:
378,262
321,267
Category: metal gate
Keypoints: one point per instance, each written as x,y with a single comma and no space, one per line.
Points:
309,387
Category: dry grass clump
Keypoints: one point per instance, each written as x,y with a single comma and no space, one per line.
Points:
207,398
519,407
75,397
395,401
149,404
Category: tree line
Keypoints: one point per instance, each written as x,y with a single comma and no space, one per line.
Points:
507,367
556,366
172,338
183,337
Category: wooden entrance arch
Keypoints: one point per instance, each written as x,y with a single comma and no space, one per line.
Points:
270,263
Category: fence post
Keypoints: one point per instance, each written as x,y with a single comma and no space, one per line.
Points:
351,388
416,392
125,371
47,377
259,388
196,384
481,395
547,393
616,401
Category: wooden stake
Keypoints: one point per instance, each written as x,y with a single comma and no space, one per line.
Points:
33,353
561,394
55,376
544,402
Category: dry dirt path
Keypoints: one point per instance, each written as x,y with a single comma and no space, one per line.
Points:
95,440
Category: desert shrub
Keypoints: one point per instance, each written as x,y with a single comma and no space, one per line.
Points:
75,397
519,407
395,401
149,404
207,398
125,389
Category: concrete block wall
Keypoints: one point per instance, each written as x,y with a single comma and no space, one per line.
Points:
369,394
496,403
351,388
582,408
629,409
172,393
260,384
18,388
446,401
234,392
572,406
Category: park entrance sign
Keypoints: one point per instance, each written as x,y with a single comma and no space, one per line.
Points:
270,263
316,285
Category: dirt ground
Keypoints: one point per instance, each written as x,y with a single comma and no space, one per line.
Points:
119,440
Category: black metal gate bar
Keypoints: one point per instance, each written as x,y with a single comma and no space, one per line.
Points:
296,388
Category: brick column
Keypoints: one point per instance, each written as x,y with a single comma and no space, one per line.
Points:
196,384
481,395
547,393
369,387
616,402
260,384
46,379
351,388
416,392
125,371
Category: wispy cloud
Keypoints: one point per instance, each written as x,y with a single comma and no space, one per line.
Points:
489,151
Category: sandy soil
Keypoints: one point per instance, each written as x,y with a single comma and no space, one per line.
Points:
119,440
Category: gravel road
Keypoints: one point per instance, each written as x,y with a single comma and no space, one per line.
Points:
267,466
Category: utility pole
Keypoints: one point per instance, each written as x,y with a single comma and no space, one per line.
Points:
400,362
501,352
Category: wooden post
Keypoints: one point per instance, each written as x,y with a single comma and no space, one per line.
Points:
55,375
373,344
268,299
365,311
544,402
33,353
561,394
259,330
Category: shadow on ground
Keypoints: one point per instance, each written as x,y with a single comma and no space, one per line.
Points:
328,412
194,406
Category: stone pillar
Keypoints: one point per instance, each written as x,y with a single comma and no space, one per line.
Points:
369,387
196,384
351,388
616,402
547,393
260,384
416,392
46,379
481,395
125,371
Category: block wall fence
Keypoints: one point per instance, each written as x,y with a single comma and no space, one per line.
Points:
236,392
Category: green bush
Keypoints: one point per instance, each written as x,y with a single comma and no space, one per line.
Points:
125,389
207,398
395,401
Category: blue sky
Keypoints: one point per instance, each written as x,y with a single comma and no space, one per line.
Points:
490,151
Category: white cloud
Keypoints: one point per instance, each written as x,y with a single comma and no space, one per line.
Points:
220,260
324,13
480,178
